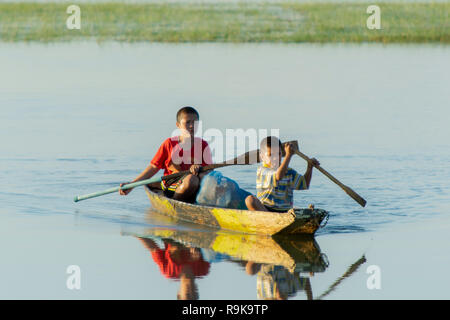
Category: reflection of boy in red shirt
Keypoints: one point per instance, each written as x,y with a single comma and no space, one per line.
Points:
181,153
173,261
176,261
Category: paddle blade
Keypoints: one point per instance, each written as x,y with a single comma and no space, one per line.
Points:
355,196
348,190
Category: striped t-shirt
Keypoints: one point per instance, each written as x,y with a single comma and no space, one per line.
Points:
278,195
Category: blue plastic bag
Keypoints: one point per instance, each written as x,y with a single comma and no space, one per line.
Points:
217,190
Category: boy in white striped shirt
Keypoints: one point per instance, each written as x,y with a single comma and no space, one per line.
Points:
275,181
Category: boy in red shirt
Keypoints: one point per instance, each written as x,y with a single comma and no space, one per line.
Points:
181,153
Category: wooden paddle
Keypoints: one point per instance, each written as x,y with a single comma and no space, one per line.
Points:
347,189
247,158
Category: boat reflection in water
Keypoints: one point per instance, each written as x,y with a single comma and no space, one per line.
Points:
282,265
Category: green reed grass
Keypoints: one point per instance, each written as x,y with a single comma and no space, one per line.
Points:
262,22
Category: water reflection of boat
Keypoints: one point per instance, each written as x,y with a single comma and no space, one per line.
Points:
282,266
298,221
298,254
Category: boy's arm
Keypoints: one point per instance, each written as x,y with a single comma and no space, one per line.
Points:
308,173
283,168
156,163
206,160
290,150
148,172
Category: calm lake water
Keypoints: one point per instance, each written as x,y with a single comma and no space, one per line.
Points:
82,117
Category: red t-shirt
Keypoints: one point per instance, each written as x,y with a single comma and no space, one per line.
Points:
172,270
171,152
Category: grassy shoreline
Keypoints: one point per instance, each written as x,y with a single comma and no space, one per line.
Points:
238,22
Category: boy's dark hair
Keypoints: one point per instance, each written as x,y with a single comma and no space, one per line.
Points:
268,142
187,110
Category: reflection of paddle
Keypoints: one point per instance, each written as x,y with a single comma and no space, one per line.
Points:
347,189
347,274
250,157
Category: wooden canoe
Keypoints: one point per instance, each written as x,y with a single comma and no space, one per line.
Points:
295,221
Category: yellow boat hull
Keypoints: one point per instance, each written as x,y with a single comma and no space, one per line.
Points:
295,221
